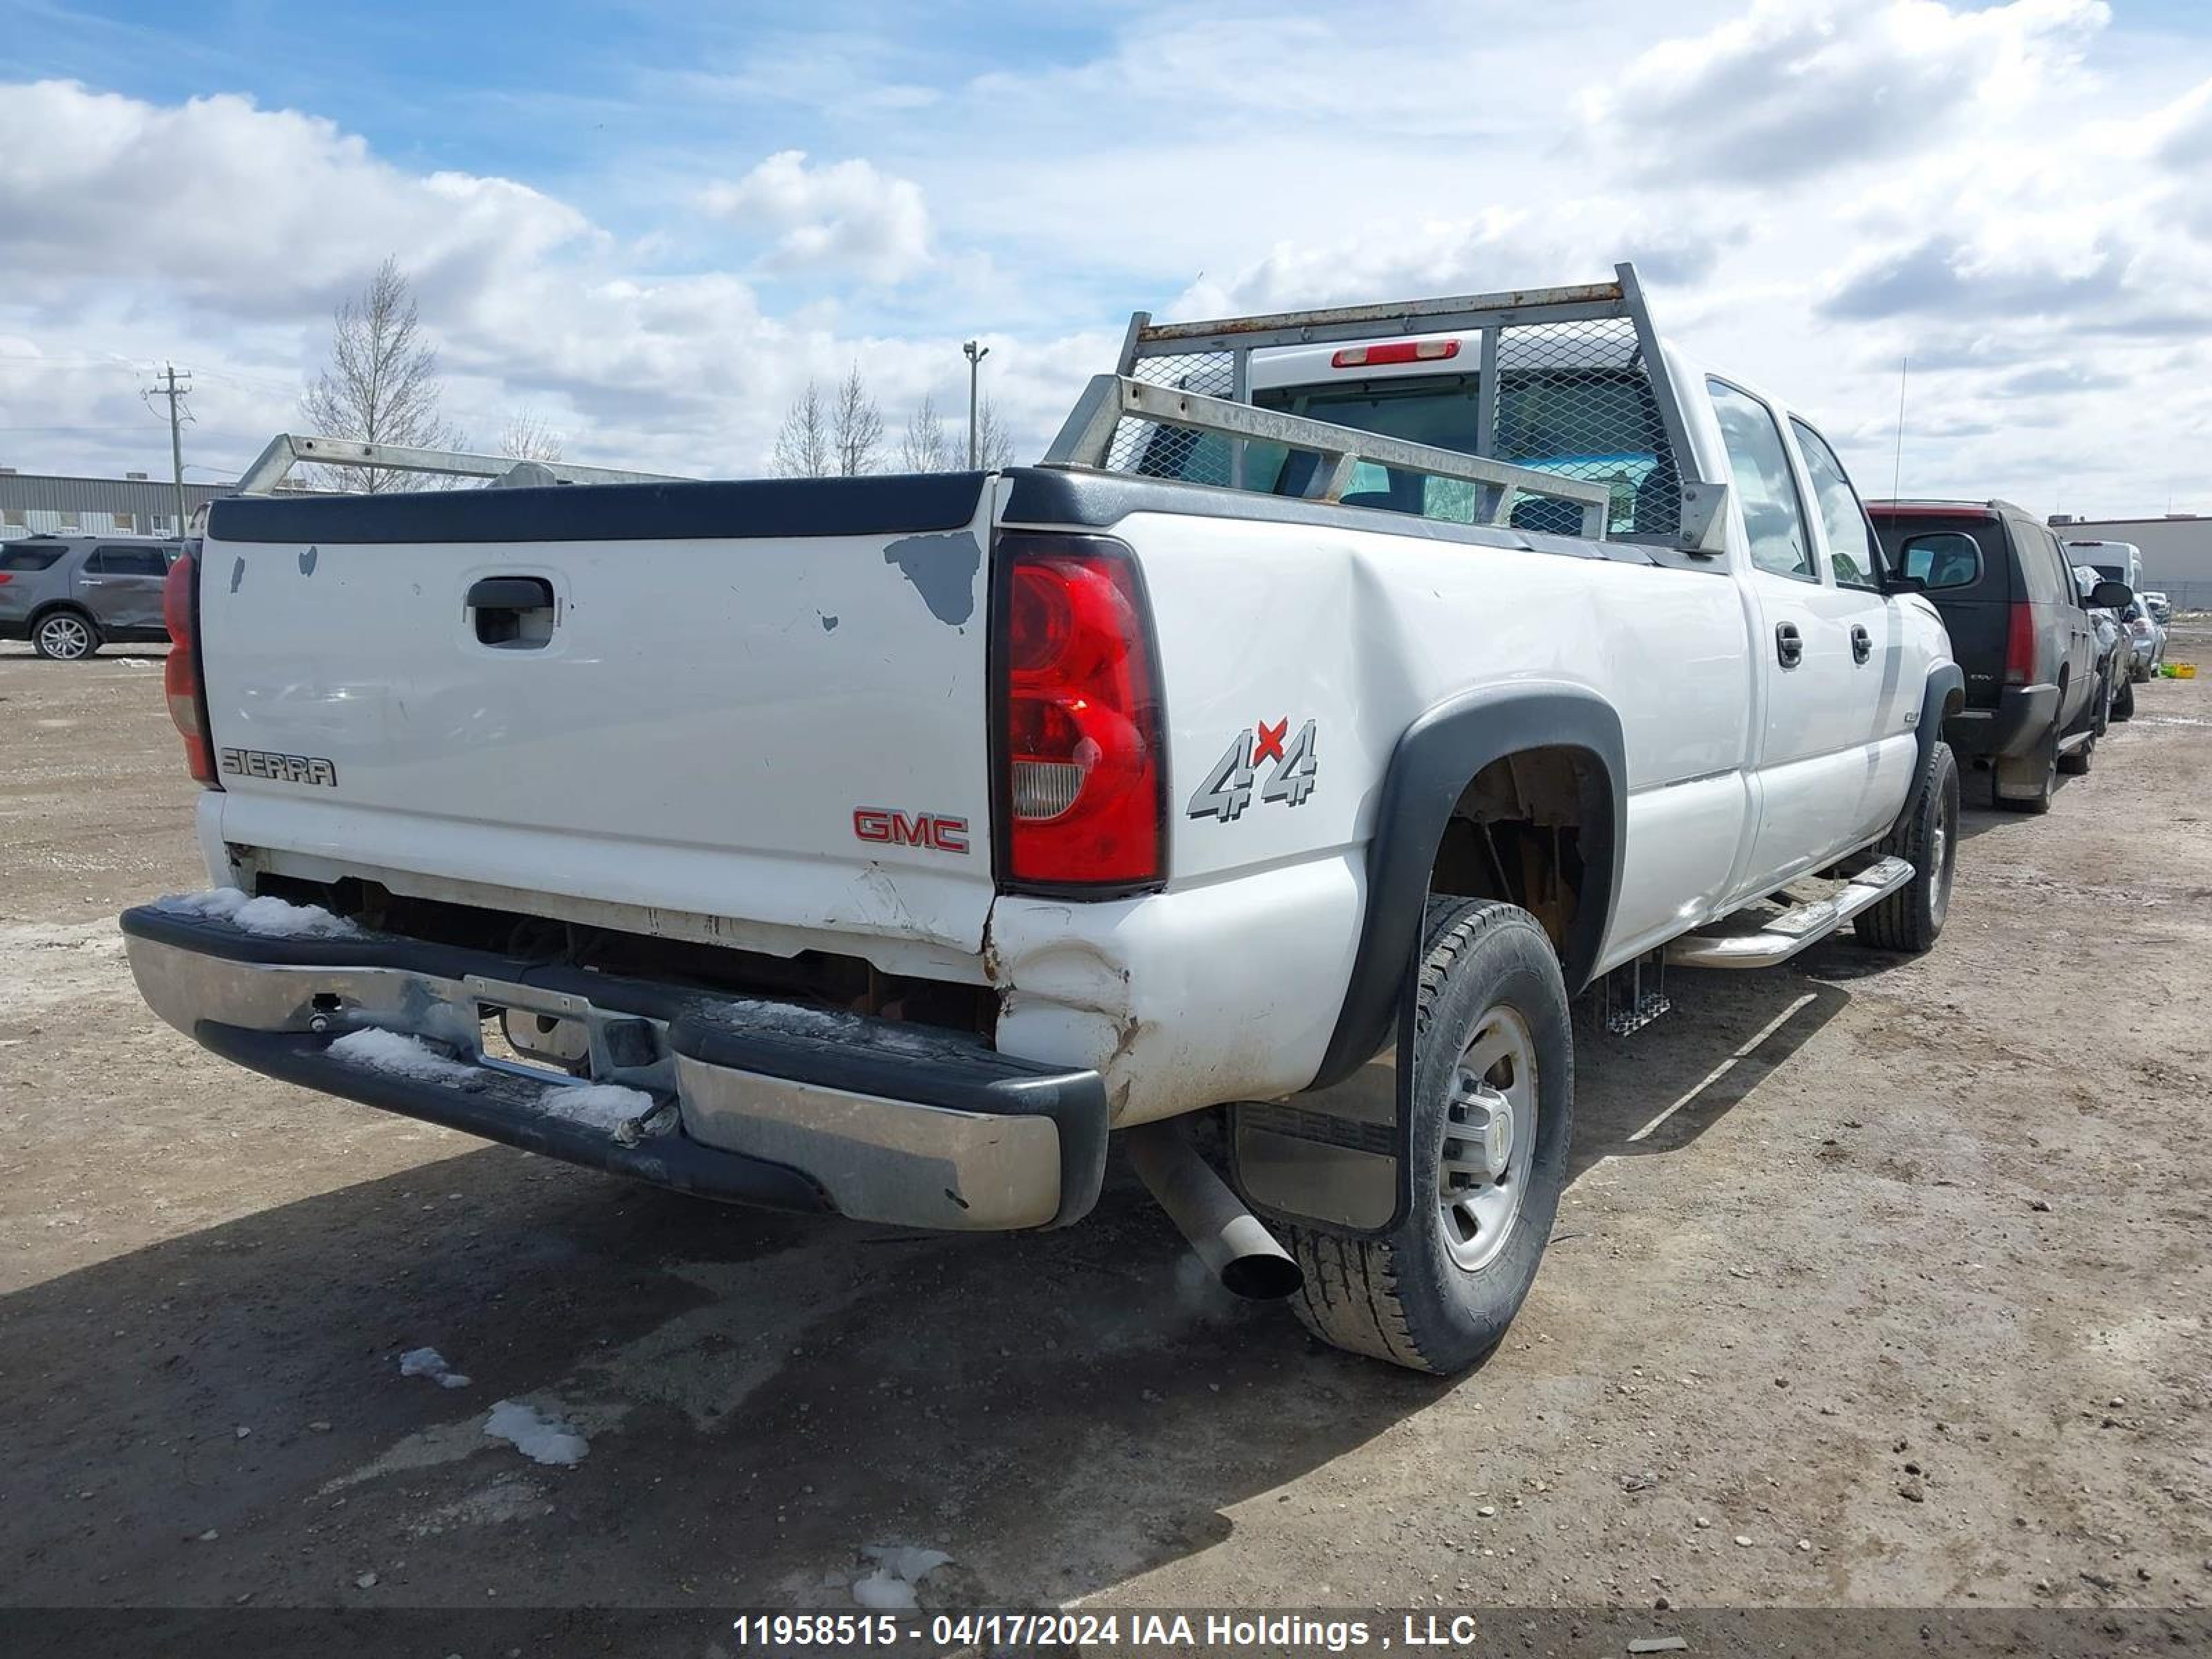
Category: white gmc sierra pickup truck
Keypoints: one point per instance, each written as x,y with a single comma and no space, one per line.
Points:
879,845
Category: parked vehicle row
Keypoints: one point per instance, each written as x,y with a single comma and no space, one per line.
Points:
2042,677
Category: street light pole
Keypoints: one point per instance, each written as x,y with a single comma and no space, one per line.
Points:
976,355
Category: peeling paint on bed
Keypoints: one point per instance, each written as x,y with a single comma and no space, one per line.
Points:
943,571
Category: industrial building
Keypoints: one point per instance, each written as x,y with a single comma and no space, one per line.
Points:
48,504
2177,550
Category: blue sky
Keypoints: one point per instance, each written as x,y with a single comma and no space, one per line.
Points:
652,225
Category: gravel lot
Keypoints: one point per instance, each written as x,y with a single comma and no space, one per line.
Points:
1902,1302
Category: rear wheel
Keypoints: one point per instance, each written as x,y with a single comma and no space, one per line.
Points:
65,636
1911,918
2075,761
2123,701
1492,1098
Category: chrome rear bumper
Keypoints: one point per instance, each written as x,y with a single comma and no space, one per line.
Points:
754,1102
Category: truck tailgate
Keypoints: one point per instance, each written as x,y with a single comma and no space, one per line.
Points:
764,703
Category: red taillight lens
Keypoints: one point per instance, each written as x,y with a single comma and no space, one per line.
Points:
180,676
1084,776
2020,644
1398,351
5,578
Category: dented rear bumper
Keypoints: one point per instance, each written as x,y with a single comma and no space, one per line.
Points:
764,1102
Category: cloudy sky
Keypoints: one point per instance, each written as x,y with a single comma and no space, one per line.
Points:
651,225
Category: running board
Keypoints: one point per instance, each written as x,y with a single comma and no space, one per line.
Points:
1795,929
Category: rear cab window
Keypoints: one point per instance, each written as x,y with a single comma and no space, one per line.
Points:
1595,423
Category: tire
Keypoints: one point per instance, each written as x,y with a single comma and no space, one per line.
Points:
2123,701
2104,702
65,636
1911,918
1436,1292
2037,772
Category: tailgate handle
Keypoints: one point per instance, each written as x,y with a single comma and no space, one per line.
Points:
514,611
511,593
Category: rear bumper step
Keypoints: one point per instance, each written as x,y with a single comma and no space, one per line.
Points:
1795,929
776,1103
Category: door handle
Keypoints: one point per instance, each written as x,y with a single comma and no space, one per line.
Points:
1862,643
1788,644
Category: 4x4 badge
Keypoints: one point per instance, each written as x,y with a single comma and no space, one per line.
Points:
1227,790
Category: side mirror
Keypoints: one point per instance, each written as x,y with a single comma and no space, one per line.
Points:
1940,559
2111,596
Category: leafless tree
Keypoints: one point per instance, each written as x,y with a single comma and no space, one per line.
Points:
994,445
528,438
922,447
856,426
803,448
381,386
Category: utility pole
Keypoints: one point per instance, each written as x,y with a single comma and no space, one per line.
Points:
174,392
976,355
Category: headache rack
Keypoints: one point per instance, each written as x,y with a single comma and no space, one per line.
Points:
290,449
1592,346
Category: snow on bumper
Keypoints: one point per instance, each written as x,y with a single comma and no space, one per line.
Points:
748,1101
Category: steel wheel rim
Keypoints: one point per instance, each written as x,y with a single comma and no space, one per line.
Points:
1939,890
64,637
1490,1139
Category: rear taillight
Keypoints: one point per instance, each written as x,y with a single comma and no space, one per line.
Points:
1083,780
181,677
5,578
2020,644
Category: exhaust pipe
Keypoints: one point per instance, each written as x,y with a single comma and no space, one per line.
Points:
1229,1238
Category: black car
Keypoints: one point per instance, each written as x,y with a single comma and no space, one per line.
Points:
2020,630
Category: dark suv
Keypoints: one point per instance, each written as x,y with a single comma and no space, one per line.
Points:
2019,631
70,595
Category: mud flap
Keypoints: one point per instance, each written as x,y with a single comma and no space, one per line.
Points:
1336,1158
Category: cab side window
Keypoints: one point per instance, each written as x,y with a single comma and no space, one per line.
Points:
1772,513
1853,553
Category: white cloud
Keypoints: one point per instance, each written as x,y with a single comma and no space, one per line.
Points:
842,216
259,213
1796,88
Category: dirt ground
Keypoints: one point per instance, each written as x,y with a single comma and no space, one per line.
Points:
1879,1283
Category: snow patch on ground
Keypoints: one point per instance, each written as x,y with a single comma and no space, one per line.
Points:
541,1439
429,1362
599,1105
899,1568
268,916
401,1055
